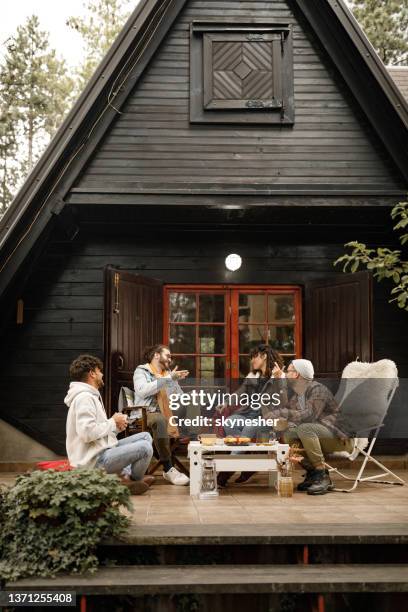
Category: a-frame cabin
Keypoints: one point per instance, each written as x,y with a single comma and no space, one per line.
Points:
267,129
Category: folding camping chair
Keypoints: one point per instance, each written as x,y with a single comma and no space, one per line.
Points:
138,422
137,415
365,394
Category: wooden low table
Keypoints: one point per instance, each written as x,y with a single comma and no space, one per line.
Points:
254,458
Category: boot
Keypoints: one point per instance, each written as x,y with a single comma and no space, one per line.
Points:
137,487
321,483
307,482
308,467
223,478
244,477
149,480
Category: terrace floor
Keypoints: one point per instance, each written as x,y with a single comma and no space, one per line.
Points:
255,503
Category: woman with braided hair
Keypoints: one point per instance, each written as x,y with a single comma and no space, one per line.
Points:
259,381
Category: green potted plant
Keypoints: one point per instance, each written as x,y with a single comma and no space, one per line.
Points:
53,521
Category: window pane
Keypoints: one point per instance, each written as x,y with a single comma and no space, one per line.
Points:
252,308
211,308
212,339
250,336
185,363
182,338
182,307
281,308
282,338
212,368
244,366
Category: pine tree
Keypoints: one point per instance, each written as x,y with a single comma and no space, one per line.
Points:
10,173
38,87
98,30
385,22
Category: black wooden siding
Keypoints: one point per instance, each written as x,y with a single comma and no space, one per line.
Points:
153,143
64,306
152,146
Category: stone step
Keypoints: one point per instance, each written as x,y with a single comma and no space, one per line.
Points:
233,579
261,544
232,534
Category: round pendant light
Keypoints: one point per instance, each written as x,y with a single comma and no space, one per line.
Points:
233,262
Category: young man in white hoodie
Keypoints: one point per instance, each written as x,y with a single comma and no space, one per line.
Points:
92,437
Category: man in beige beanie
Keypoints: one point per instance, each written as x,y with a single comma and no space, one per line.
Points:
310,417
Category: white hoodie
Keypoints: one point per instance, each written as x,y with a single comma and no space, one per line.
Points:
89,431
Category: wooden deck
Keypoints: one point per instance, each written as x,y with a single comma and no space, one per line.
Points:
249,547
255,504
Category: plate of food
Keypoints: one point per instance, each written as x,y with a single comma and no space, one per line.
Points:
237,441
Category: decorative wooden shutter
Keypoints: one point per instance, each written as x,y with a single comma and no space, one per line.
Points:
133,319
338,322
242,71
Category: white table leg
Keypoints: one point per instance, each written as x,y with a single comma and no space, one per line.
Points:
282,453
272,479
272,474
195,468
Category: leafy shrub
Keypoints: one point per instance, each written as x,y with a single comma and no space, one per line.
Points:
384,262
52,521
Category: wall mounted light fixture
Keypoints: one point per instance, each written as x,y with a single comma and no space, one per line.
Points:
233,262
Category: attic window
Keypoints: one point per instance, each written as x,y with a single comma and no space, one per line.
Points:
241,73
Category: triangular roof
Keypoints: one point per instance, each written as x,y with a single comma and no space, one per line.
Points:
400,76
41,197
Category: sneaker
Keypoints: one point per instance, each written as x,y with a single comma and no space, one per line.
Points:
176,477
321,483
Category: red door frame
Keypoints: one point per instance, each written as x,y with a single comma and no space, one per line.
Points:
231,293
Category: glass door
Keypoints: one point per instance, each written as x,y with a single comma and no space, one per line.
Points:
264,315
211,329
197,331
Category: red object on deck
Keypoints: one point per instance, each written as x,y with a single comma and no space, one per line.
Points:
62,465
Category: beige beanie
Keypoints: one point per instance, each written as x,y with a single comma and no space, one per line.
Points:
304,367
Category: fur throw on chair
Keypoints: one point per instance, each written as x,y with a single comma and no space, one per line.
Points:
355,392
385,368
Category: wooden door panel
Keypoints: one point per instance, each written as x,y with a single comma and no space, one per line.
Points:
133,320
338,322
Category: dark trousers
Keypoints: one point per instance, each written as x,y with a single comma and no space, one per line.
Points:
158,426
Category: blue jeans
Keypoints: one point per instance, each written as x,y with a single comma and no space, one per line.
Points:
131,455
